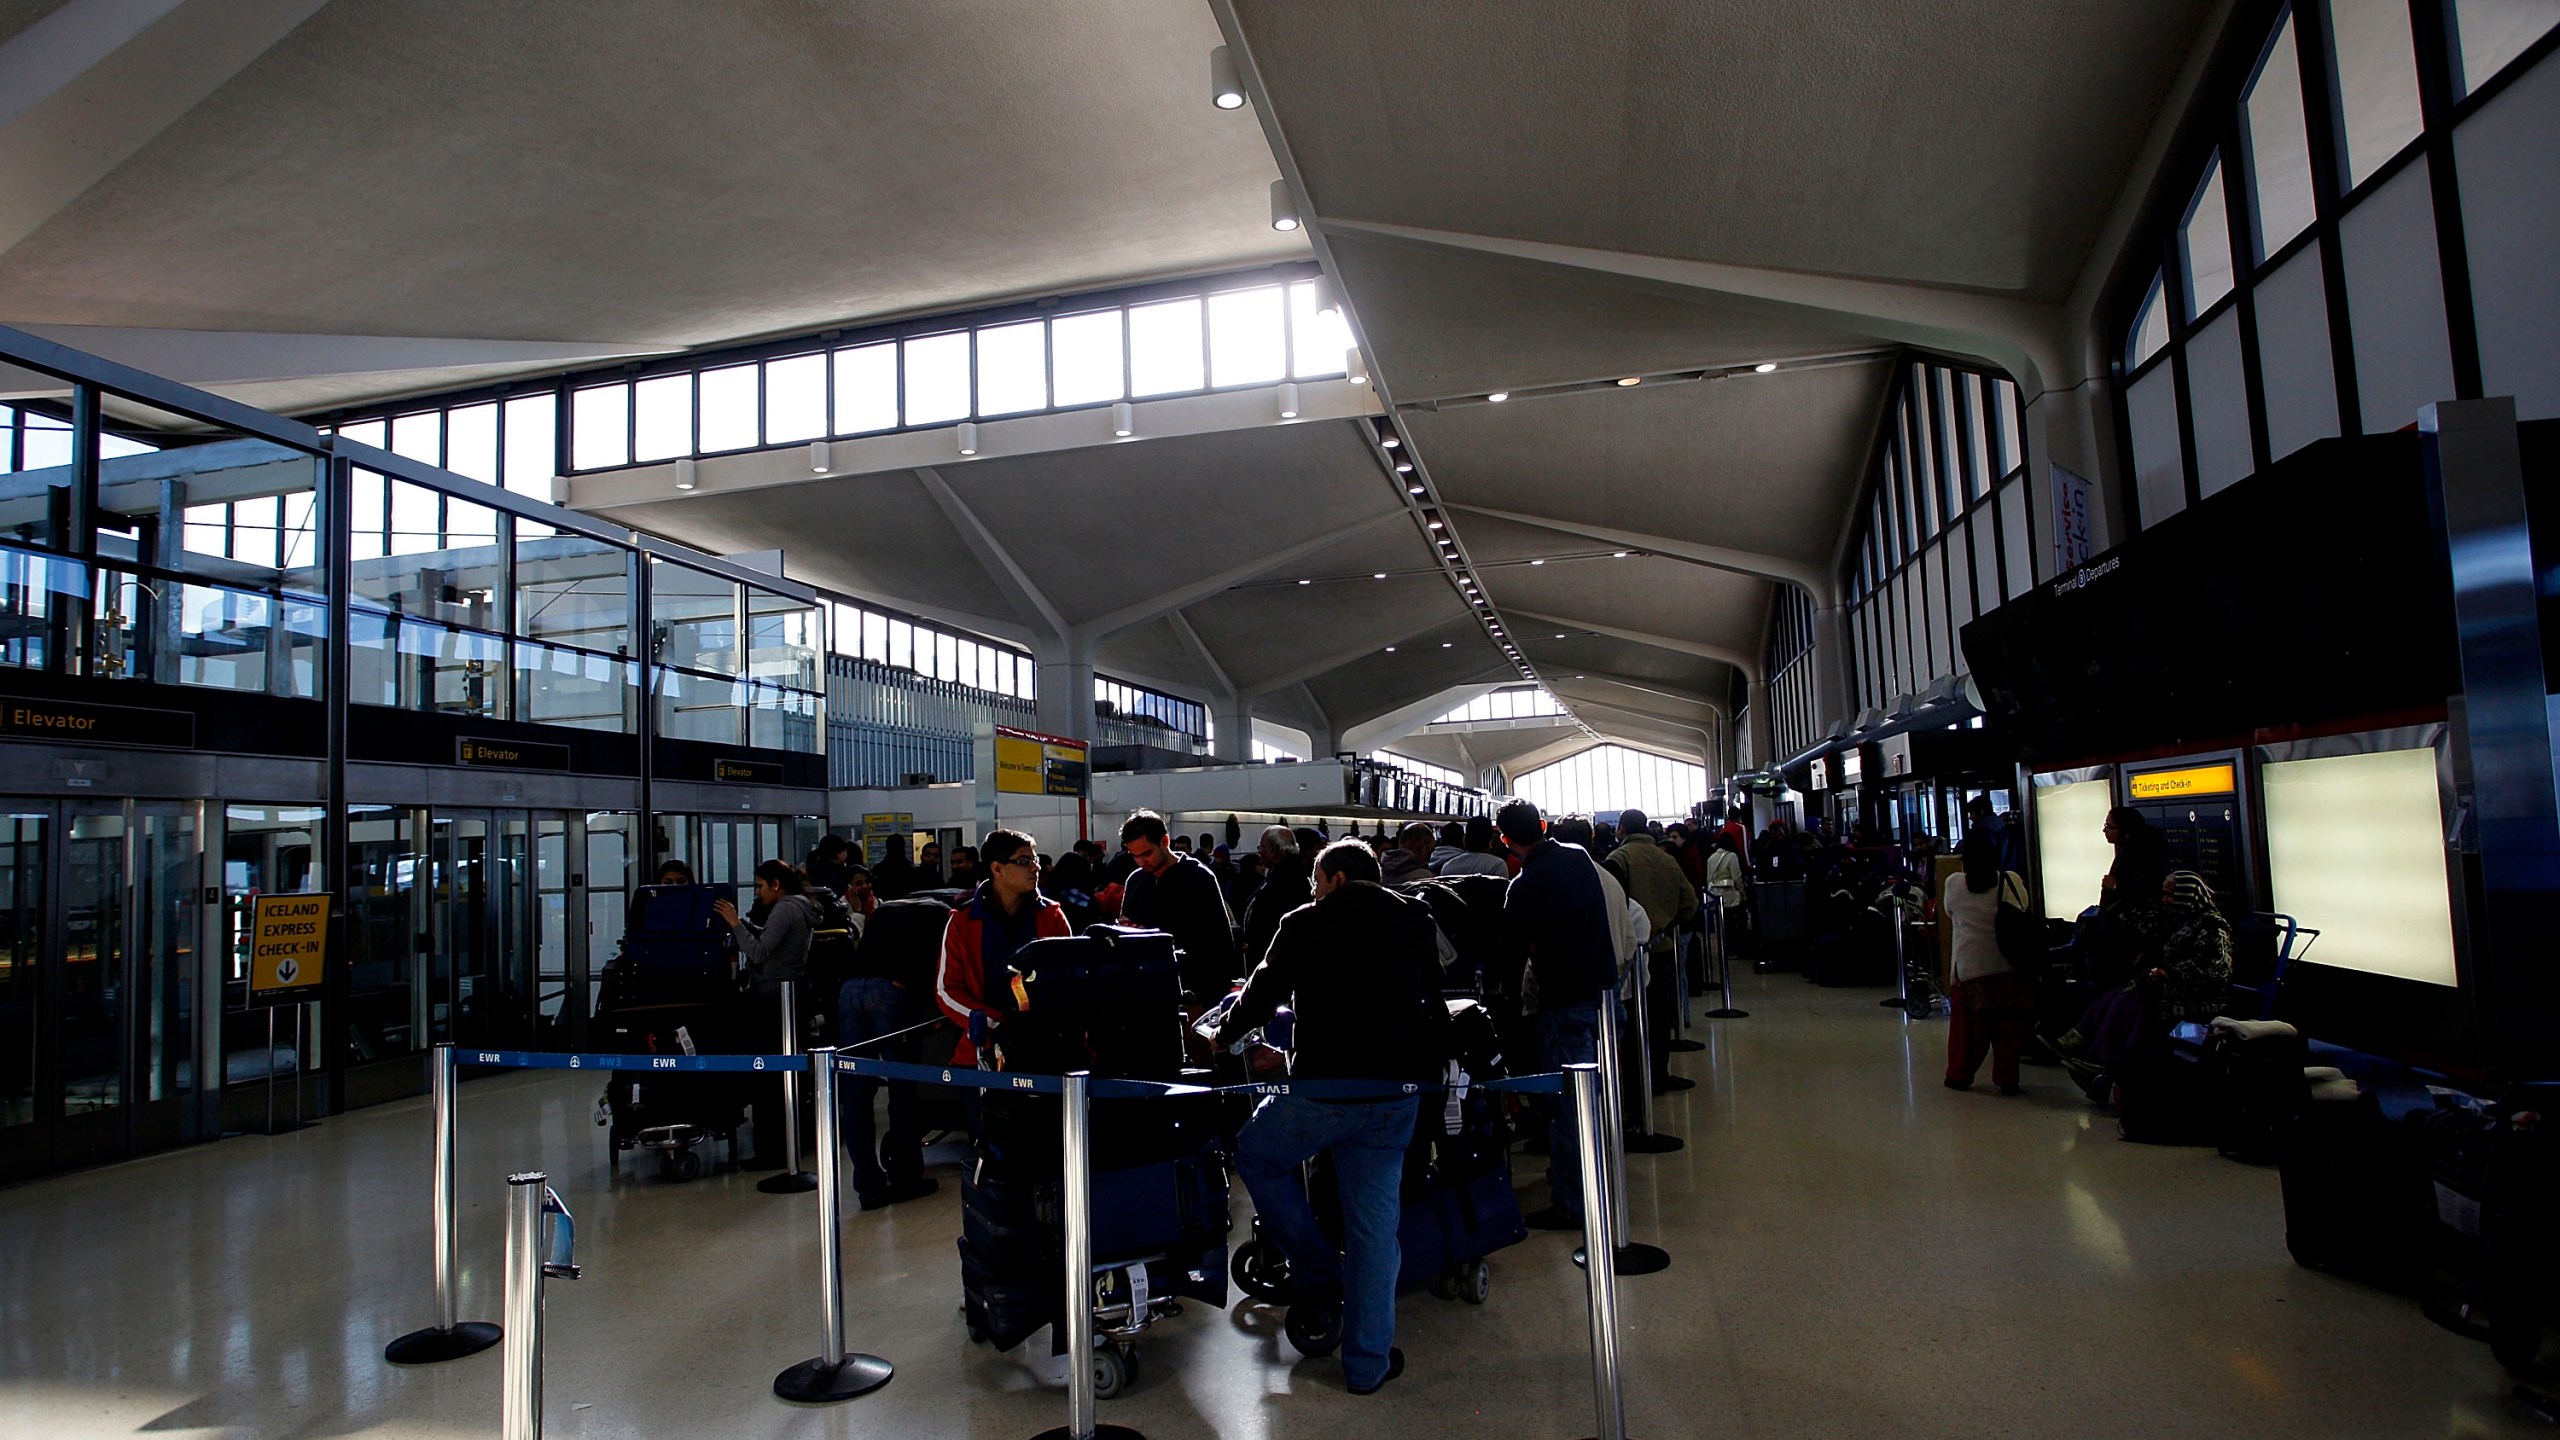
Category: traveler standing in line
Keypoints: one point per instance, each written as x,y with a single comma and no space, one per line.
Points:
1453,843
1286,885
826,864
770,951
1725,877
1478,858
1408,862
1655,881
1362,969
929,866
2002,828
964,869
1006,913
1178,895
878,999
1993,1004
895,876
1558,911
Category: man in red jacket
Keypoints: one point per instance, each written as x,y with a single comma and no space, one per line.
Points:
1007,912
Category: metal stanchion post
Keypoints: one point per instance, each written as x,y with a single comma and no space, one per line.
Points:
1724,971
834,1375
1646,1140
520,1398
1076,1139
793,1180
1589,1084
1683,945
448,1338
1631,1259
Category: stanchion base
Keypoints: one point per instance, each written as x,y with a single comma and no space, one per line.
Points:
1728,1014
788,1183
1684,1043
1632,1259
426,1347
815,1382
1100,1432
1653,1142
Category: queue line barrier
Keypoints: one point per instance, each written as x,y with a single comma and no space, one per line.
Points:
839,1374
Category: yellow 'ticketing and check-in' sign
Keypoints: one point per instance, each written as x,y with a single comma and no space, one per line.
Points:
2180,784
288,947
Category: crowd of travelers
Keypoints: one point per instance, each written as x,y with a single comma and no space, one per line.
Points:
1352,934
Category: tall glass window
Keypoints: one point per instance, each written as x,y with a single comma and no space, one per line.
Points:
2489,34
2377,84
2279,146
2204,243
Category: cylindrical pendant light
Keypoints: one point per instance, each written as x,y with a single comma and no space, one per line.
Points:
1124,419
1226,87
1284,211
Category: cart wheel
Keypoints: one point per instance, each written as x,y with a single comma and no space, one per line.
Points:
977,1335
1917,1007
1475,1282
1445,1284
1316,1329
688,1166
1112,1372
1260,1270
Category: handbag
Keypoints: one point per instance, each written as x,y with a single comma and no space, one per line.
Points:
2019,934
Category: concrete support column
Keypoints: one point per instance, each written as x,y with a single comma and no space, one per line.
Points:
1064,705
1834,695
1233,718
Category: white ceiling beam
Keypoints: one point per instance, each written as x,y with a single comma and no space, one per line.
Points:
1723,654
1809,578
85,88
854,456
999,564
1200,653
2020,336
1369,734
244,357
1653,688
1227,579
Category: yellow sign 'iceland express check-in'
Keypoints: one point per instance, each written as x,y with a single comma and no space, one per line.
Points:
288,946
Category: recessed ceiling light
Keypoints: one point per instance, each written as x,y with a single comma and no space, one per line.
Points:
1764,367
1621,555
1381,575
1391,442
1447,645
1498,396
1559,634
1403,468
1414,489
1391,649
1632,380
1537,562
1436,525
1306,582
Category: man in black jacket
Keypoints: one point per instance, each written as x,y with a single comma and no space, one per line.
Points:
1177,894
1360,967
1558,911
1285,887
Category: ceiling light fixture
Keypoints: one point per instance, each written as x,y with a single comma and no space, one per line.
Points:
1404,467
1355,366
1390,442
1436,525
1391,649
1381,575
821,456
1284,211
1306,582
1226,87
1327,303
1414,489
1537,562
1764,367
1498,396
1621,555
684,473
1632,380
1448,645
968,437
1124,419
1288,400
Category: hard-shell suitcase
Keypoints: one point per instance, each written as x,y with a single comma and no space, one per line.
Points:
2356,1196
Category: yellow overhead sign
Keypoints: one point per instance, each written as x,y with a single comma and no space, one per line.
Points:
2219,779
1028,763
288,947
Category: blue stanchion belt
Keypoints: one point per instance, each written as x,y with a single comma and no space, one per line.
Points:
1012,1082
1007,1081
666,1064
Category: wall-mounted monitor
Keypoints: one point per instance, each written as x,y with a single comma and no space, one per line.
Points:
2355,850
2072,853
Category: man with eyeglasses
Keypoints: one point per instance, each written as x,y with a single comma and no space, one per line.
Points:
1006,912
1175,893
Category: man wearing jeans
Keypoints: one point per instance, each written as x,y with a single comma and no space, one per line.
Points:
1557,908
1360,966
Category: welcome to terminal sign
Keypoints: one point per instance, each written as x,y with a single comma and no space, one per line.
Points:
1030,763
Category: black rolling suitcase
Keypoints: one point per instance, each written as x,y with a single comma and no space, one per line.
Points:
2356,1194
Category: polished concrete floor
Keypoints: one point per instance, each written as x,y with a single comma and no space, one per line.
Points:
1856,1252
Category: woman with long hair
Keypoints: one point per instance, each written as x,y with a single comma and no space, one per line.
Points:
1993,1004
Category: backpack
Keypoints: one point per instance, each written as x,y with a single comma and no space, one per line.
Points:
2019,934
